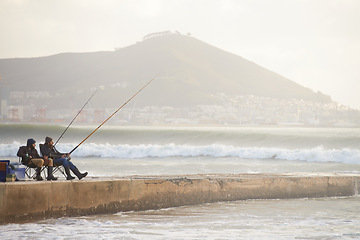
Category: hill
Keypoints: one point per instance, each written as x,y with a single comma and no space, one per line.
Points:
191,71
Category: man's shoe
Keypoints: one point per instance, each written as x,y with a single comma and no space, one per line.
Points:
51,178
38,178
82,175
38,174
76,171
50,174
70,177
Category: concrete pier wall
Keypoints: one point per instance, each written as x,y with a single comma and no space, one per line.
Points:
30,200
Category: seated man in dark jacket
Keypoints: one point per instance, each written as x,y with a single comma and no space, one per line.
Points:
48,150
30,157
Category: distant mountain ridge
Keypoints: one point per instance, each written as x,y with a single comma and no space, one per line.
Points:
191,71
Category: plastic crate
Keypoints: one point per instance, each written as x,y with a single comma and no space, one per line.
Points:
4,169
18,169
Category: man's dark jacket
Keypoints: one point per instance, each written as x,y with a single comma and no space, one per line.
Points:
26,150
50,152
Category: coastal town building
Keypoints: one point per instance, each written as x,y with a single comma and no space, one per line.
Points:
235,110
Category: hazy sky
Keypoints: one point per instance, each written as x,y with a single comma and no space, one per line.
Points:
315,43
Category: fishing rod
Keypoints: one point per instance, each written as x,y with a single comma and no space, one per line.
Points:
113,114
75,117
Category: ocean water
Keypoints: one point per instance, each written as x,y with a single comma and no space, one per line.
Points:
125,151
327,218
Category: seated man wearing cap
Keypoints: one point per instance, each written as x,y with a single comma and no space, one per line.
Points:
48,150
30,157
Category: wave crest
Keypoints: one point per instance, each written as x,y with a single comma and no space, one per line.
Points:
125,151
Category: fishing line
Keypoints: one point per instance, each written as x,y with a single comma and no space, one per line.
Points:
113,114
75,118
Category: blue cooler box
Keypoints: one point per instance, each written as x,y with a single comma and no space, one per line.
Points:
18,169
4,169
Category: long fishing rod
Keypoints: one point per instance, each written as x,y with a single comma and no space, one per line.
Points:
75,118
113,114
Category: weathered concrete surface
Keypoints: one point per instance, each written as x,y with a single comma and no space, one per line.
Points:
30,200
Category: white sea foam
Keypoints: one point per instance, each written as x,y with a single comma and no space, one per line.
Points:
253,219
125,151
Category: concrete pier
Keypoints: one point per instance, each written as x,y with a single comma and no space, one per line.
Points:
31,200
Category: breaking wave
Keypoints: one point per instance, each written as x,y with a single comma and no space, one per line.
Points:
126,151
